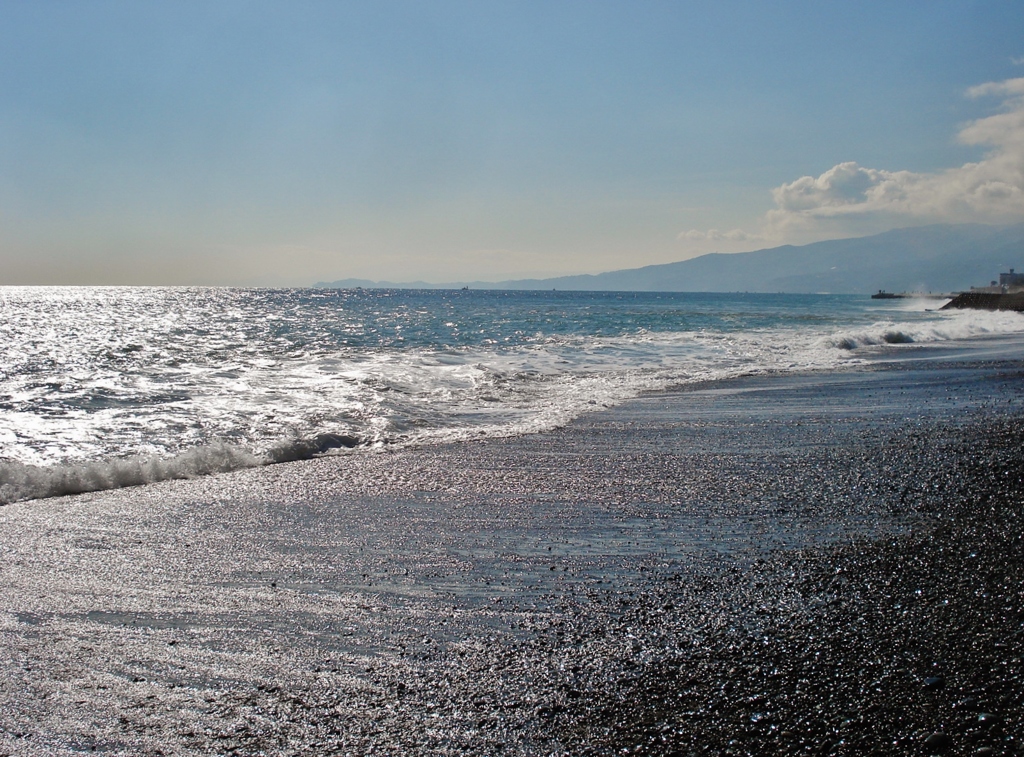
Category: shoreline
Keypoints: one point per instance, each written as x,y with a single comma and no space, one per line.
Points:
24,481
610,585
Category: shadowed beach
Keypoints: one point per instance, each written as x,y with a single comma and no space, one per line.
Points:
811,564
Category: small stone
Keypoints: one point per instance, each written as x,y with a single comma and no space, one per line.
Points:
985,751
937,743
987,719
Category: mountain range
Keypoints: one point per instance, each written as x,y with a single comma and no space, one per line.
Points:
936,258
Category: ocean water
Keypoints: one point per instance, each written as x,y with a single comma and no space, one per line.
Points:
102,387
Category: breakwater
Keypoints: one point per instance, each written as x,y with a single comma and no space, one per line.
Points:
986,301
881,294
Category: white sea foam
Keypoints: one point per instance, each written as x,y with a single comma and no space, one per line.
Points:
94,396
19,481
947,327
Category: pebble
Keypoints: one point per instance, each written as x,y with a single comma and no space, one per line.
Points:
988,719
937,743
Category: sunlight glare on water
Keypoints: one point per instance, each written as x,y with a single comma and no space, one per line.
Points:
217,377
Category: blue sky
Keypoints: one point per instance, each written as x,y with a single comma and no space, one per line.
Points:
259,143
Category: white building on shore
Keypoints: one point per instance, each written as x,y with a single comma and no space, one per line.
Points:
1008,283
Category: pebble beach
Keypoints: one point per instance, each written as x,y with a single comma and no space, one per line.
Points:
804,564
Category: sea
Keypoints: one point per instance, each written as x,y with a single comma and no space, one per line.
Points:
104,387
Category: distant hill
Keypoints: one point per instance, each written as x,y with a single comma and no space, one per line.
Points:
937,258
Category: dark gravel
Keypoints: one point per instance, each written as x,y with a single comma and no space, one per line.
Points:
911,644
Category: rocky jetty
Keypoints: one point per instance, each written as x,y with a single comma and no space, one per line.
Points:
986,301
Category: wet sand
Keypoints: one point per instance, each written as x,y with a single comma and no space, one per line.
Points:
771,565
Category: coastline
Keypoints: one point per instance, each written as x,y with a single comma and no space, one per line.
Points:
691,572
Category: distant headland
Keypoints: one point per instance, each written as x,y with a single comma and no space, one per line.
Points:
936,258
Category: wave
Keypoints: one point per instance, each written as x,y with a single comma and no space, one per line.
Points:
19,481
961,325
418,397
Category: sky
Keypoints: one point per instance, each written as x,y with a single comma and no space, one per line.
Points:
258,143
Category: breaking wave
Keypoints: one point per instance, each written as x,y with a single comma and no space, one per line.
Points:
19,481
93,397
955,326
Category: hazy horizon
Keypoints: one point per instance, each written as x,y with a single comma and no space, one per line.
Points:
250,143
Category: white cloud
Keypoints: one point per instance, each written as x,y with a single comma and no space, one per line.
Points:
1003,88
850,198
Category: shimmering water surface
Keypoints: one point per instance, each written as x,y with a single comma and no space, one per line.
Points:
103,387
